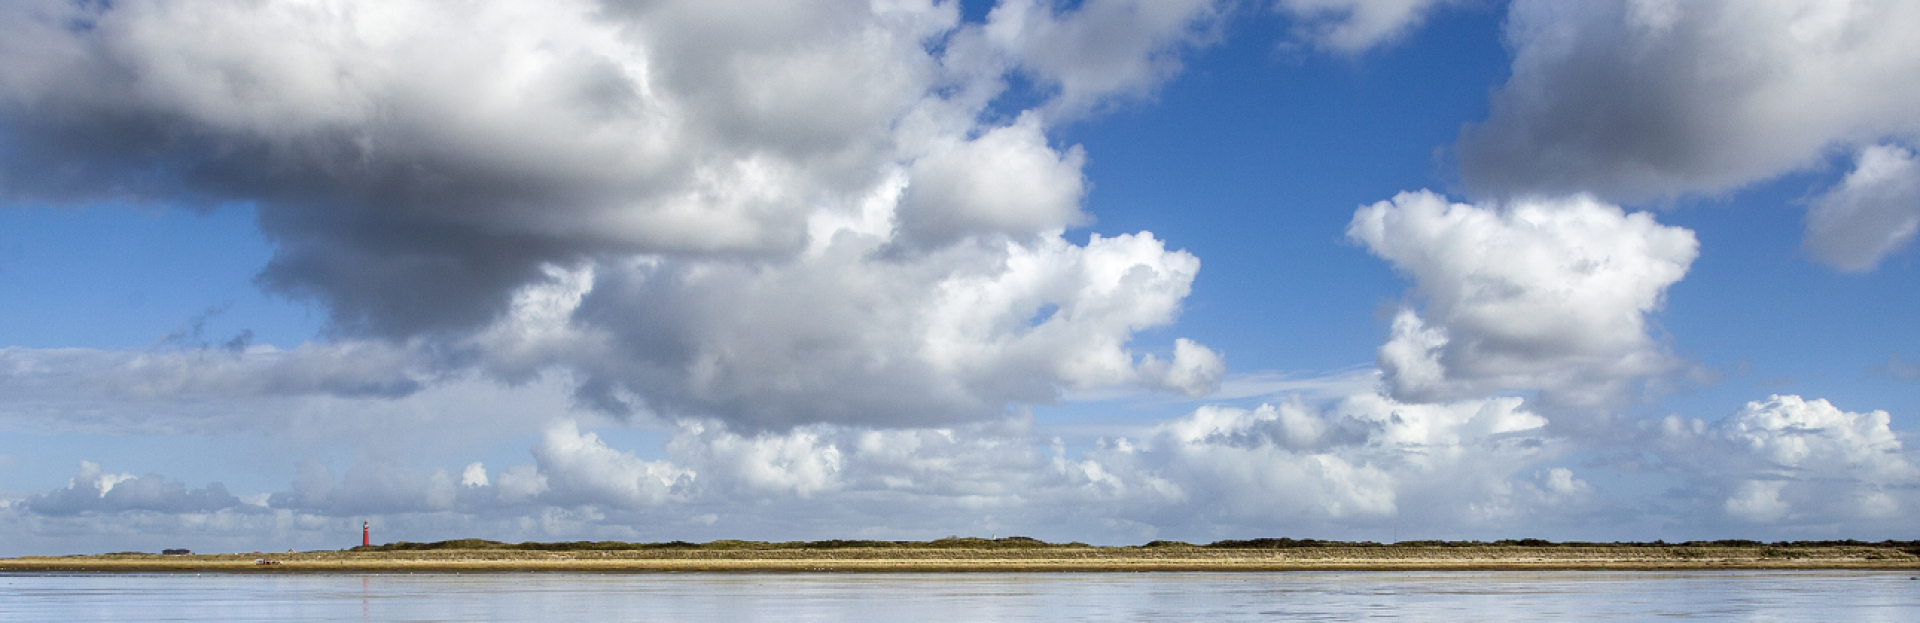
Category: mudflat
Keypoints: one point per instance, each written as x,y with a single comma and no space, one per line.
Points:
1010,554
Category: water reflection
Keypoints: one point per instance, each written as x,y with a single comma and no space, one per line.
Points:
745,598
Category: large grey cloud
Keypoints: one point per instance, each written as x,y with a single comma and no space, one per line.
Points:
699,208
1636,99
417,160
95,491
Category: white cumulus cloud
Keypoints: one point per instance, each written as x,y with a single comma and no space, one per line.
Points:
1357,25
1549,295
1793,461
1872,213
578,468
856,336
1098,49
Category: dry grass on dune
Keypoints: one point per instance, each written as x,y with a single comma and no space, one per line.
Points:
1014,554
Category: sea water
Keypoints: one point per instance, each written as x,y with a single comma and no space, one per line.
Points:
747,597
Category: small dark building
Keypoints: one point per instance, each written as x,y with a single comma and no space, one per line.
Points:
175,552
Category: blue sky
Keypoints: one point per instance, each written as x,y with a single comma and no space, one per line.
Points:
1095,271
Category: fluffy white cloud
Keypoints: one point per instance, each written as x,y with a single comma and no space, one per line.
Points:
854,335
799,462
1099,49
578,468
1007,181
475,475
1527,295
1870,214
1792,461
1361,461
1639,98
1356,25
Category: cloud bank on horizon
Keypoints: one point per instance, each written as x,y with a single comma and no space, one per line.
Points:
830,251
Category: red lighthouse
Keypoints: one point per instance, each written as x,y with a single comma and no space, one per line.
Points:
366,534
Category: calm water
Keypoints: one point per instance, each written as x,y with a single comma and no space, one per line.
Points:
742,598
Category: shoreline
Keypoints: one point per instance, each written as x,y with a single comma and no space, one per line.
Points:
1066,559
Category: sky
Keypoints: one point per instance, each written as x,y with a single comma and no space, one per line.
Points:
1098,271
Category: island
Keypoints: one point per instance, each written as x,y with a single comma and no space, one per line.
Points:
957,554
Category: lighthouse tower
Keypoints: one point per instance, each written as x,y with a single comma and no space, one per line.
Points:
366,533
